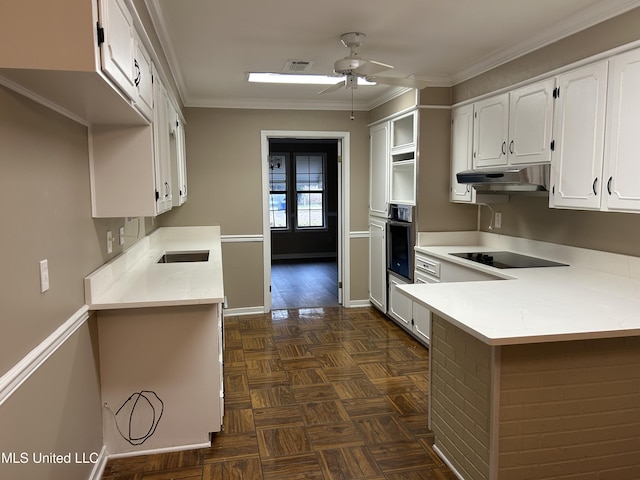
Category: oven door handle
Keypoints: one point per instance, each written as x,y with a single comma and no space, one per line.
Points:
399,223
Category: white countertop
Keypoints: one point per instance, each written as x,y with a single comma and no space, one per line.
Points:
530,305
134,279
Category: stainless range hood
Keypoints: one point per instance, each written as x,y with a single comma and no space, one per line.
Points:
508,179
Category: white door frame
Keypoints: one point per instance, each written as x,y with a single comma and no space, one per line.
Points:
344,272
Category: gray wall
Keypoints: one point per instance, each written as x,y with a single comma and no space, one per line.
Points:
46,213
225,186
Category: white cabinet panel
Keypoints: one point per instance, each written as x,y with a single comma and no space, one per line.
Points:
461,152
117,51
143,80
377,264
530,121
400,306
162,156
490,131
379,168
579,117
621,180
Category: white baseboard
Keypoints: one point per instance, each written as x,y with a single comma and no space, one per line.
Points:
447,462
359,303
154,451
237,312
98,468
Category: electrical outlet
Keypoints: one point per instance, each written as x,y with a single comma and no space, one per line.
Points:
44,275
121,238
109,242
498,220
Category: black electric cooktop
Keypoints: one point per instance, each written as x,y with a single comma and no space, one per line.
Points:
507,260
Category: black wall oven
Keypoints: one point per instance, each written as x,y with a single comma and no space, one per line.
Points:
400,241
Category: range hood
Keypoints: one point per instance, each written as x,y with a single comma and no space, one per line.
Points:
508,179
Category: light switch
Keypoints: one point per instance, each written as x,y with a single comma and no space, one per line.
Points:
109,242
44,275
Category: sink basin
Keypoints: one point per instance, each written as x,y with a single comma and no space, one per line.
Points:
177,257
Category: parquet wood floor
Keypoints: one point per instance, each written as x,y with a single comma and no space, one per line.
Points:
322,393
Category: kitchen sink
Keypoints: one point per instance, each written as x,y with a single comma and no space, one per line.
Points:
178,257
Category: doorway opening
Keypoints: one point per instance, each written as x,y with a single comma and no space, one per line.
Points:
305,218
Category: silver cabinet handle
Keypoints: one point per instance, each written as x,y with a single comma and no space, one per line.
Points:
511,147
504,148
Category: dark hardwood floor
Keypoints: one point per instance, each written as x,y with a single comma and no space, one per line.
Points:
312,393
304,283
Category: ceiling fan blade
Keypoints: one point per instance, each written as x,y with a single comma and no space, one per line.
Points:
400,82
334,88
371,67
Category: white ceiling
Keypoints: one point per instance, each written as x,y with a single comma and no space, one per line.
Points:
211,45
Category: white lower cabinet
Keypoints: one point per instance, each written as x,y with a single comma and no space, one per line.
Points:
407,313
377,264
422,323
161,377
400,306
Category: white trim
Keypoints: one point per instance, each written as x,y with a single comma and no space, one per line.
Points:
494,419
394,115
359,303
563,69
447,462
99,466
359,234
344,270
241,238
238,312
22,370
41,100
594,14
154,451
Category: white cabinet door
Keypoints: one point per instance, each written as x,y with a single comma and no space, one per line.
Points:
143,80
400,306
377,264
530,121
422,322
178,157
162,156
379,168
621,181
117,51
578,134
490,131
461,152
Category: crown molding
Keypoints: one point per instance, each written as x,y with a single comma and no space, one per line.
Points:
587,17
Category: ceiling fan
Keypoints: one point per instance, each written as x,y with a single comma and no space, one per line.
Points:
353,67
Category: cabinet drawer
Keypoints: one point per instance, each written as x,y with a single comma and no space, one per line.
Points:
427,265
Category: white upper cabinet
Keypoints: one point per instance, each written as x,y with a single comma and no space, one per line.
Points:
177,149
379,168
621,179
490,131
530,123
404,132
578,133
514,128
143,81
162,154
117,51
402,183
461,152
